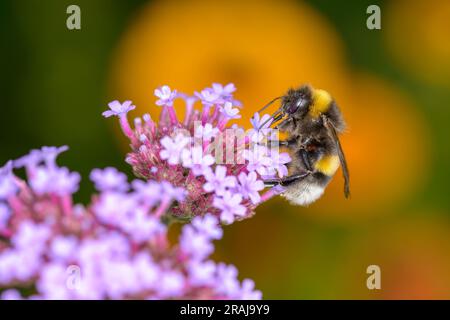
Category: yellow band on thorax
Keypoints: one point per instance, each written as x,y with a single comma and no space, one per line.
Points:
321,102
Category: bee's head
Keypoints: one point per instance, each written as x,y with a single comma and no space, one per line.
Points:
297,102
300,102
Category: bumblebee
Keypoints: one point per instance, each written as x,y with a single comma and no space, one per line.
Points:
313,122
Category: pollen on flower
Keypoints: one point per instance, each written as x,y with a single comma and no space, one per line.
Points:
214,161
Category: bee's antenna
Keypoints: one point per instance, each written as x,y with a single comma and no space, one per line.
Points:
267,105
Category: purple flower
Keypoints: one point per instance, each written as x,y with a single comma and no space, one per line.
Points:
249,186
279,161
8,186
160,151
227,282
147,117
208,225
173,193
208,97
59,181
112,207
18,264
37,156
120,279
173,148
165,95
196,160
88,286
257,122
66,182
230,206
6,169
206,132
118,109
258,160
109,179
5,214
218,181
225,92
230,112
258,133
201,273
92,252
248,292
63,248
49,154
31,236
195,244
171,284
147,192
141,226
10,294
29,161
164,149
256,137
52,282
116,247
147,271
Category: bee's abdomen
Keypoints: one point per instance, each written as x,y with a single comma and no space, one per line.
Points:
307,191
327,165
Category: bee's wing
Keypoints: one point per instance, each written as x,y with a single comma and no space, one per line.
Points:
333,134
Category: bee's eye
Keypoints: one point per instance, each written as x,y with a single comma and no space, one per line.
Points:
301,103
292,108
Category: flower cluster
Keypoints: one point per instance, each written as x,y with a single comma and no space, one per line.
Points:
114,248
221,167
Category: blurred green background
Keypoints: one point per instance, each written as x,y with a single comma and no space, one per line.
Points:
393,85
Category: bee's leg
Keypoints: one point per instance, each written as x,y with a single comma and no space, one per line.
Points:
286,180
285,143
285,125
305,158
